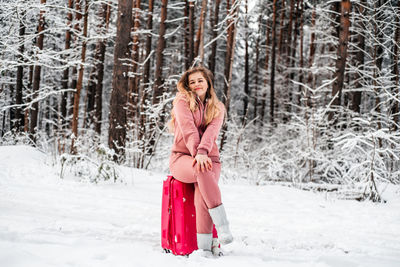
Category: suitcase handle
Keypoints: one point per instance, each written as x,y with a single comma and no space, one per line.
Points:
170,214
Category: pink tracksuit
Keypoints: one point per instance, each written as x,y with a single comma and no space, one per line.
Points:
192,137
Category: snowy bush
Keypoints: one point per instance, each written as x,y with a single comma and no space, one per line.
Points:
299,153
93,162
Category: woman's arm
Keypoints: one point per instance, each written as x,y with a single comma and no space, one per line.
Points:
185,123
211,133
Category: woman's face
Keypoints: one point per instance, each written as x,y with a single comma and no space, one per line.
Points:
198,84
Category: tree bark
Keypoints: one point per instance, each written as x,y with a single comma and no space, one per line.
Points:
191,33
133,80
30,88
281,28
119,94
293,48
289,57
199,45
106,10
246,67
289,33
74,74
145,84
356,101
396,44
77,93
149,27
264,95
257,72
91,92
311,58
214,34
273,59
378,58
36,76
341,53
158,89
229,64
20,73
64,81
301,62
186,35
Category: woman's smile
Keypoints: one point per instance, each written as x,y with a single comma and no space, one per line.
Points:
198,84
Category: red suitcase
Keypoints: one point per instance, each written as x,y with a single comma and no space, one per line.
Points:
178,217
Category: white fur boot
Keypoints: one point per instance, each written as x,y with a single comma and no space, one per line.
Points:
204,243
218,216
215,248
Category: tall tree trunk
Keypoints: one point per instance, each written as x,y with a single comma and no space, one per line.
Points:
214,23
101,48
119,94
11,111
64,81
292,62
281,28
199,45
289,32
191,20
246,67
90,99
133,80
341,53
395,70
158,81
36,75
311,58
149,27
273,58
145,83
378,57
289,59
91,92
20,73
158,88
229,64
74,74
186,34
301,61
356,101
227,53
266,66
30,88
257,72
77,94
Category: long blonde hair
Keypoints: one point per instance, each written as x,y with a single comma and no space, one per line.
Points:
184,91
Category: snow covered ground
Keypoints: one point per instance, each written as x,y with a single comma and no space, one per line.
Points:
48,221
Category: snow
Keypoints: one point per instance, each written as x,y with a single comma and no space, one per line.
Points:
48,221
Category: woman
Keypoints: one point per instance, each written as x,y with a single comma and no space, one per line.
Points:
197,117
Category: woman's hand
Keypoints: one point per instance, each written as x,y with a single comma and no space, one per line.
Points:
203,162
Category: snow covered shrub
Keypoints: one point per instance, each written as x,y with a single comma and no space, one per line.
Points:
107,169
354,155
372,155
15,138
148,141
285,152
93,162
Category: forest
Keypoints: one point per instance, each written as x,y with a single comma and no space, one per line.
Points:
311,87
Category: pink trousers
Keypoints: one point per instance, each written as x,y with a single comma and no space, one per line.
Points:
206,190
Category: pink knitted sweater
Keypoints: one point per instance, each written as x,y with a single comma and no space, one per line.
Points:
192,136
